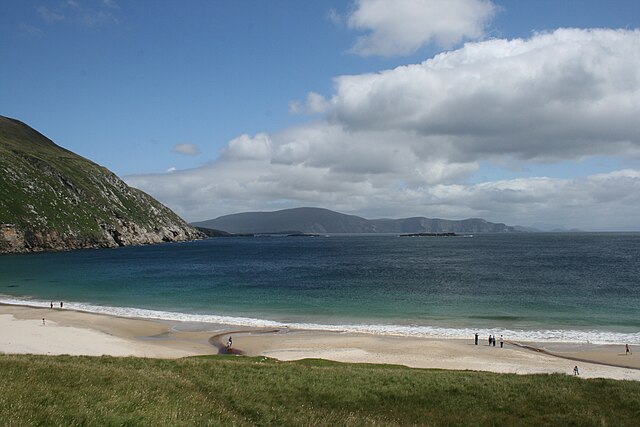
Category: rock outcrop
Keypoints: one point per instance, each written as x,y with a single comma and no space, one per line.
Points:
52,200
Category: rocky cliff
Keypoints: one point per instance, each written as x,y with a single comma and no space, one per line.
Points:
52,199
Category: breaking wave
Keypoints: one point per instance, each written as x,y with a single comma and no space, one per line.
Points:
543,335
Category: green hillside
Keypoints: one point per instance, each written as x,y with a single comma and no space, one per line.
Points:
53,199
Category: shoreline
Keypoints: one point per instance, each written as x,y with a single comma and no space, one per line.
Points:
80,333
543,335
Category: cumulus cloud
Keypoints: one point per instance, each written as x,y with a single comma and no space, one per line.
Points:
246,147
188,149
401,27
406,141
557,95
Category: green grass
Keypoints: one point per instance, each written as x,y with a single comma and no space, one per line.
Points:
64,390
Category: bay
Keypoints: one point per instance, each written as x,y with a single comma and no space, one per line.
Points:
555,286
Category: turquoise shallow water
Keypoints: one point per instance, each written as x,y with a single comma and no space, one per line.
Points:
567,287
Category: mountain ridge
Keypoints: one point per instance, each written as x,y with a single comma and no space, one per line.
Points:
52,199
321,220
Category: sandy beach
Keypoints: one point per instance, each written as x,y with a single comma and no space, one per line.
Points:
78,333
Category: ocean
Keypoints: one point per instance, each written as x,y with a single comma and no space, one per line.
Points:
573,287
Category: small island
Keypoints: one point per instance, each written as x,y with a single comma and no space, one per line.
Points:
430,235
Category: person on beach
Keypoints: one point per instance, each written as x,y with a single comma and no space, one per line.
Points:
229,344
501,341
627,349
575,370
476,338
43,321
51,304
60,304
490,340
494,340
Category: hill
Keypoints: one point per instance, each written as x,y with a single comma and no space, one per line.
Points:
53,199
317,220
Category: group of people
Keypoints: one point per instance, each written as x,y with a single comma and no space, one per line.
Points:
61,306
492,340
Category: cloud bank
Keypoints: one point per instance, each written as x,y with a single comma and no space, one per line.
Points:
406,141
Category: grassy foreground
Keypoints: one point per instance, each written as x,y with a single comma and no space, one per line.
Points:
228,390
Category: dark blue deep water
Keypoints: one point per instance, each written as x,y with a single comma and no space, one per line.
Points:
545,286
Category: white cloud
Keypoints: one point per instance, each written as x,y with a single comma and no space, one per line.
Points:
335,17
401,27
188,149
97,18
598,202
49,15
406,141
30,29
315,104
246,147
91,14
558,95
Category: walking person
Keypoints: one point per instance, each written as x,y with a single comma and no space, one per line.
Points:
494,340
229,344
490,340
575,370
43,321
501,341
627,350
476,338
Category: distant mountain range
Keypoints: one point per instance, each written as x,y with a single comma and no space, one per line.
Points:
52,199
318,220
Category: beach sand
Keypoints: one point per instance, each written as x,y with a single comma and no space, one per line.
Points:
79,333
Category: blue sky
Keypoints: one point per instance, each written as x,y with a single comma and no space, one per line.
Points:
217,107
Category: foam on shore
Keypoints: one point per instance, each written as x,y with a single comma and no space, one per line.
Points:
545,335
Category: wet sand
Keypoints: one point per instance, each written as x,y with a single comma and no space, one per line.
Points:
71,332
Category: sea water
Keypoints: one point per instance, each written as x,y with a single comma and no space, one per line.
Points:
570,287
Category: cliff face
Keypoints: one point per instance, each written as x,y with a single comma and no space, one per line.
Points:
52,199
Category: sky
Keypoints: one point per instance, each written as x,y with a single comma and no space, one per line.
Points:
522,112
